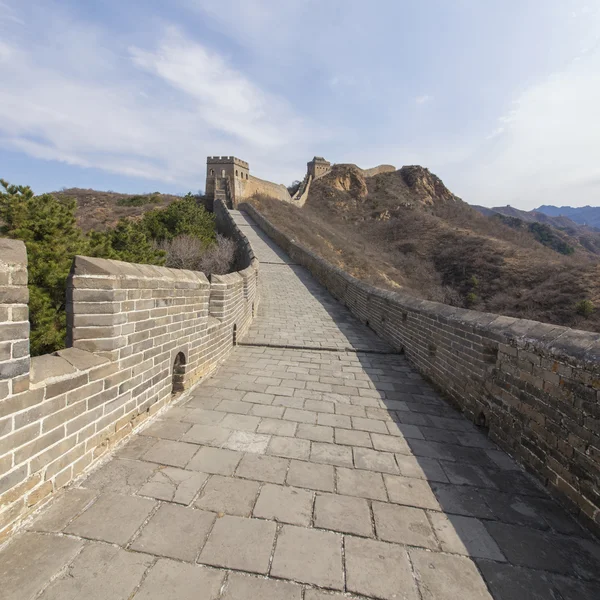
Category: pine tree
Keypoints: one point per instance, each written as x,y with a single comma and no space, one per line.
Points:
183,217
128,242
50,232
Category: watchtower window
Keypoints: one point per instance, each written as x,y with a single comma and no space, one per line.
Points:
223,173
212,171
246,175
236,173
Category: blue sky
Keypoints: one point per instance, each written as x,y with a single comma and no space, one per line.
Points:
500,98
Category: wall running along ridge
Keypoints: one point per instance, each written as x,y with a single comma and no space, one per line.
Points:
127,323
536,386
300,197
245,189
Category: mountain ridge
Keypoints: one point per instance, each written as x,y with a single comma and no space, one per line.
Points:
406,229
584,215
582,238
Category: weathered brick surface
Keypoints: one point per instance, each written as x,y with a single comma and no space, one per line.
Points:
126,324
534,386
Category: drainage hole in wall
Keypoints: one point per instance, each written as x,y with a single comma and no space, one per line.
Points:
178,373
481,421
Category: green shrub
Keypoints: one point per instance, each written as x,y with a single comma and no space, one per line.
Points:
182,217
126,241
49,229
471,299
546,235
585,308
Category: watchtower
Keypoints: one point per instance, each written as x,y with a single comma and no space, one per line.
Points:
224,175
318,167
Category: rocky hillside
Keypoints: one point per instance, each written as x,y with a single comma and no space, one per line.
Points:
101,210
406,229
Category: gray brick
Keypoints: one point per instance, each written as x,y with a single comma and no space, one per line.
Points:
378,569
346,514
175,532
284,504
310,475
352,437
316,433
372,460
309,556
403,525
242,587
363,484
215,460
277,427
447,577
181,581
240,544
263,468
331,454
289,447
112,518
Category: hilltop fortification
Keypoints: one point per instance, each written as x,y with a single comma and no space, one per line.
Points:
229,179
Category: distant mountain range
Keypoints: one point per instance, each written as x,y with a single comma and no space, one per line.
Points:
563,233
584,215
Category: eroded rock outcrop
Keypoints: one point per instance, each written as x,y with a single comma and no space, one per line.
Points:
429,187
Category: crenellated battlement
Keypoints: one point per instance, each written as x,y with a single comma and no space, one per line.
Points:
226,160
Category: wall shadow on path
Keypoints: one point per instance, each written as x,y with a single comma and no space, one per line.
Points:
467,497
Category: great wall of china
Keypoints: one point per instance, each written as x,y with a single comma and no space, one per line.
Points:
141,337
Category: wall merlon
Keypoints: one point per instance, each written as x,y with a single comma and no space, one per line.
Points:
221,160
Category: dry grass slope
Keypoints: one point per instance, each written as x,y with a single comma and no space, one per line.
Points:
406,229
101,210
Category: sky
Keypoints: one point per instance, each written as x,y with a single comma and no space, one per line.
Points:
499,98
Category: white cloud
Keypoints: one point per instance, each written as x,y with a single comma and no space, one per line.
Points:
147,111
343,81
423,99
222,96
8,14
5,52
546,149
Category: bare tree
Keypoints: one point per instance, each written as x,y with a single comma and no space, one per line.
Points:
218,259
188,252
183,252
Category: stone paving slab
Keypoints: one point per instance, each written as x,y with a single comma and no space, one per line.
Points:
175,532
31,560
180,581
305,472
99,572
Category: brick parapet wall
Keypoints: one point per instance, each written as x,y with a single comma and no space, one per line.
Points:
535,386
301,195
126,325
248,188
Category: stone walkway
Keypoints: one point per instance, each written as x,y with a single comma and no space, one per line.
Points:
315,464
